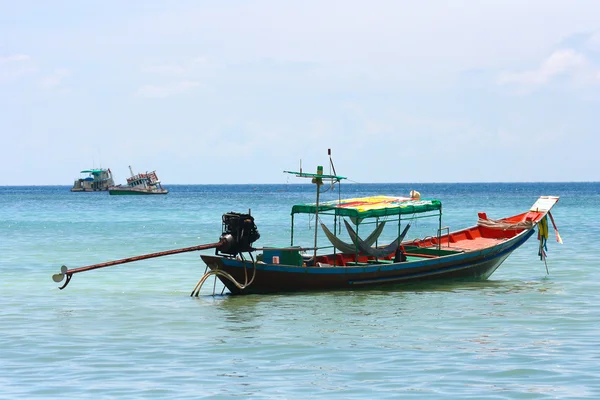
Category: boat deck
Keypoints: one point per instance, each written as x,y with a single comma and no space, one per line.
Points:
472,239
474,244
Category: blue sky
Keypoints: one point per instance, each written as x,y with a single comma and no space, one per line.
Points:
238,91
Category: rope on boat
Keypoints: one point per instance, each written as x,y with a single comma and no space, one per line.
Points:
505,226
226,275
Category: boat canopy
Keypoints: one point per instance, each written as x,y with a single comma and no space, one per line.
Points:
374,206
92,171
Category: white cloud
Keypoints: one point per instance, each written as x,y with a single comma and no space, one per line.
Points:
177,68
55,79
14,58
14,67
593,43
186,72
564,62
396,39
168,90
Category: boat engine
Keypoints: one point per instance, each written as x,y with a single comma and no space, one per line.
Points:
238,233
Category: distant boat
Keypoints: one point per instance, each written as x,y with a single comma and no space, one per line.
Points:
139,184
96,180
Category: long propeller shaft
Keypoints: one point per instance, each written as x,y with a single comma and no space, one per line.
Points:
64,271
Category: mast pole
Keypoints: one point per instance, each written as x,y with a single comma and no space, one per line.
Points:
317,179
316,224
318,182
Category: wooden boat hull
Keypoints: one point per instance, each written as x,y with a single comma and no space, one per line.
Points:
135,192
79,190
476,264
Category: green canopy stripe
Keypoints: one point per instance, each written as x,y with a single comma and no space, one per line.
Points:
374,206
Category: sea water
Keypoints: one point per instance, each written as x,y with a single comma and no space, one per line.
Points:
133,331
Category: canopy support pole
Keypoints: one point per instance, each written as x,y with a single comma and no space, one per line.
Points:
318,184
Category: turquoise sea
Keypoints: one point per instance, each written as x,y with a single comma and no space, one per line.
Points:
133,331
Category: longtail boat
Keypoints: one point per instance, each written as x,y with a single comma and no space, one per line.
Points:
473,253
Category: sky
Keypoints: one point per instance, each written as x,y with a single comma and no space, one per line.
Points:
237,91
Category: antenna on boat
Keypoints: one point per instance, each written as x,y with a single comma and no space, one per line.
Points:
333,184
317,179
131,171
331,161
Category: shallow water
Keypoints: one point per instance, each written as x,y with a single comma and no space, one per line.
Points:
132,331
